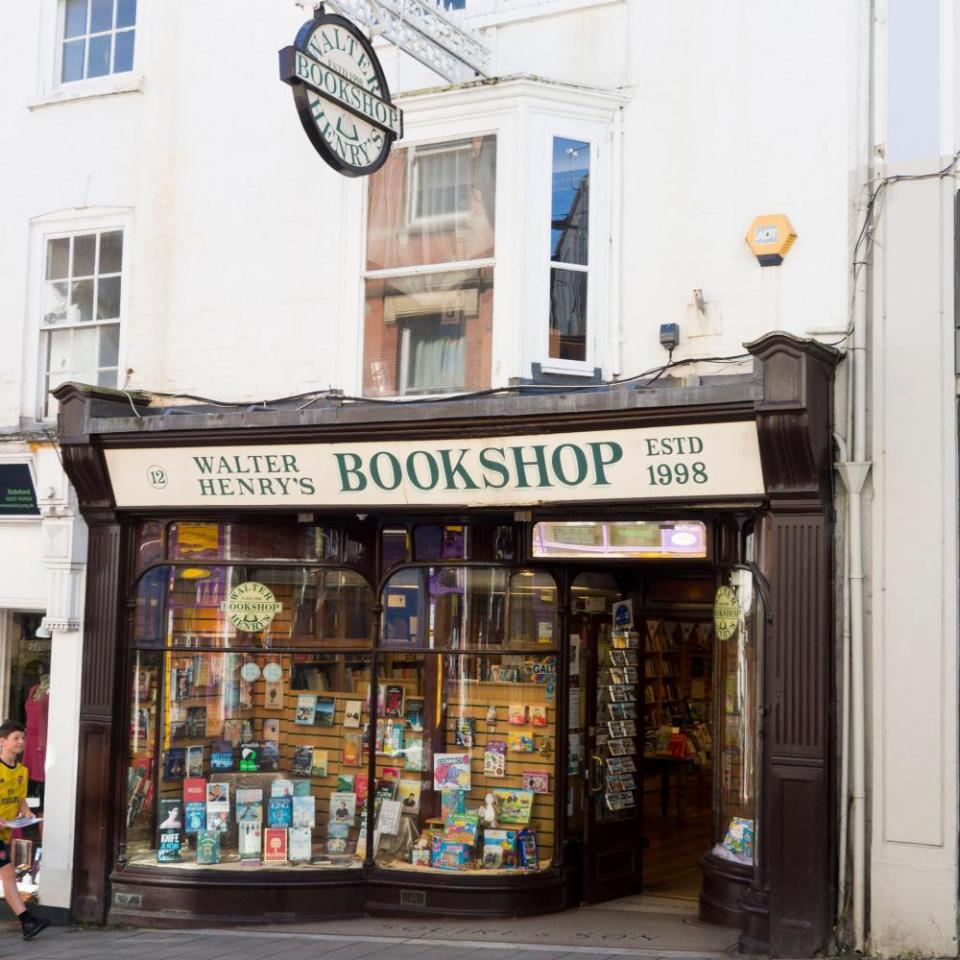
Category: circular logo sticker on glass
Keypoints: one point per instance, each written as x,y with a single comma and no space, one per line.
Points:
726,613
251,606
250,671
272,672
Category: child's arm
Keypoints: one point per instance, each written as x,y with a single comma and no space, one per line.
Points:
24,810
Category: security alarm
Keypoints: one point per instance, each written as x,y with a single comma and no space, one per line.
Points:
770,237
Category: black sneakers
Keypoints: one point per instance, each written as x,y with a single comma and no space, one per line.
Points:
32,925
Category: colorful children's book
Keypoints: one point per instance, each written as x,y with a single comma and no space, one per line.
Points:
513,806
175,764
250,838
326,710
448,855
280,811
451,802
451,770
462,828
275,845
538,715
414,713
303,760
304,812
517,713
351,713
321,763
499,849
495,758
208,846
361,784
528,849
408,794
300,845
520,742
306,710
536,780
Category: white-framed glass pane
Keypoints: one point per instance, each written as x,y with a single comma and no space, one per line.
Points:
75,19
58,351
108,298
84,253
428,333
83,349
55,302
73,53
107,378
109,345
123,53
568,314
111,252
81,302
58,258
433,204
570,201
126,13
98,64
101,16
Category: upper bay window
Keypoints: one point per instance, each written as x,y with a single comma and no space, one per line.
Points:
429,271
97,38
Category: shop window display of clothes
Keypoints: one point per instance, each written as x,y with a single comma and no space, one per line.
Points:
37,709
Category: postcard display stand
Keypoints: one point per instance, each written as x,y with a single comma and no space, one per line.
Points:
617,685
476,794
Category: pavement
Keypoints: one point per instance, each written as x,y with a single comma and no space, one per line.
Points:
637,927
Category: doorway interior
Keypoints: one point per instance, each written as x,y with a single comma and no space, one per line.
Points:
644,675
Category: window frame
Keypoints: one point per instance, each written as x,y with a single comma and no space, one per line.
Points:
112,33
419,152
35,403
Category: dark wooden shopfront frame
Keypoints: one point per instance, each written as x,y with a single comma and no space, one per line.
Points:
788,907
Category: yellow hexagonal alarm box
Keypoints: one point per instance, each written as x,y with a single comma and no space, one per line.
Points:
770,237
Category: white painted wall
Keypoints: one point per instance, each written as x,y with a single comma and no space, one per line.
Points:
913,589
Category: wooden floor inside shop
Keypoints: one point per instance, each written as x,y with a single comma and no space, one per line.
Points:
677,840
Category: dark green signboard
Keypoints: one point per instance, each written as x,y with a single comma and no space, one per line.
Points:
18,498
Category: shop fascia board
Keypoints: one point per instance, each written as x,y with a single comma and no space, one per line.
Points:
111,413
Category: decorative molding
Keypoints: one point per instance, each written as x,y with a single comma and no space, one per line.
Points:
422,30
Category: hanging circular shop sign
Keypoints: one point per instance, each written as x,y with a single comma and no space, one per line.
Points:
341,95
251,606
726,613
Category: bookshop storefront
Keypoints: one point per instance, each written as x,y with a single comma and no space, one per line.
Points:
500,656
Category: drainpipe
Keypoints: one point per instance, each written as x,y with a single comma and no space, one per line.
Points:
854,470
615,320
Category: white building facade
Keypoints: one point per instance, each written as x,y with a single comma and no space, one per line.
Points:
170,231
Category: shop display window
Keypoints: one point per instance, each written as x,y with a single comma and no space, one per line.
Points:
465,742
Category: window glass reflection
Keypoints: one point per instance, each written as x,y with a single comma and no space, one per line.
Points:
568,315
570,201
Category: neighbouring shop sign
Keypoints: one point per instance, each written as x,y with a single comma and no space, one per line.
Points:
700,461
18,497
341,95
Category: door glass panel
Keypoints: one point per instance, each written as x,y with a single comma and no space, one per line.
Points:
738,621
